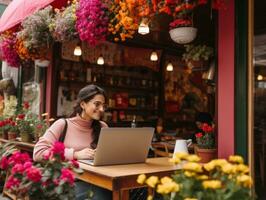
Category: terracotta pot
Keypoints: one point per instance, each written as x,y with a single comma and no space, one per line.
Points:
5,135
11,135
26,137
206,155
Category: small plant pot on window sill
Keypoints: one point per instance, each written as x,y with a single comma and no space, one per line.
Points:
206,155
183,35
11,135
26,137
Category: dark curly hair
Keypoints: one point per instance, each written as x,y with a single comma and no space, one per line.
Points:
86,94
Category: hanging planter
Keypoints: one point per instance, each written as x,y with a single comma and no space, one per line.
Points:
183,35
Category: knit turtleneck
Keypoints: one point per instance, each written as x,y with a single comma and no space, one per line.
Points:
80,121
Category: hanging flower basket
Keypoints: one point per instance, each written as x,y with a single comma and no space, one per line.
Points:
183,35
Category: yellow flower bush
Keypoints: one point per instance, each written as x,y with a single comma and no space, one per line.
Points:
220,179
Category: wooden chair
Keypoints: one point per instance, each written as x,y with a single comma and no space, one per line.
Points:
161,150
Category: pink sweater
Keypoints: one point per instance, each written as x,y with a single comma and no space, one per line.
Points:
78,137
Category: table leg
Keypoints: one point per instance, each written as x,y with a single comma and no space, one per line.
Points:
116,195
125,194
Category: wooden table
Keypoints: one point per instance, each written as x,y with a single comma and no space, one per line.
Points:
24,146
120,178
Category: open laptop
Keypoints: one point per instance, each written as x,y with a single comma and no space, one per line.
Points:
122,146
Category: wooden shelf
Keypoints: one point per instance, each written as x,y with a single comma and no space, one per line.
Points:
113,87
133,109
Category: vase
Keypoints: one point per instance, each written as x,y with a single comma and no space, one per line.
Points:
26,137
11,135
206,155
183,35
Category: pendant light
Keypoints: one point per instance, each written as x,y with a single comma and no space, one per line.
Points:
77,51
100,60
169,67
154,56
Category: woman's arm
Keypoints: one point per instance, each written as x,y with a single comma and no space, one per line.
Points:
45,142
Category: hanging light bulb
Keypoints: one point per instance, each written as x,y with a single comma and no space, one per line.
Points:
259,77
169,67
100,60
77,51
154,56
144,27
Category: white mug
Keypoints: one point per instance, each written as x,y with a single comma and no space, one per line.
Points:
182,145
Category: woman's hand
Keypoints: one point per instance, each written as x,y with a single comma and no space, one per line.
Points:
83,154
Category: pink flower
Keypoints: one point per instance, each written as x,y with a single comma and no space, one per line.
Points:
34,174
4,163
56,182
17,169
47,155
12,182
59,149
67,176
27,165
75,163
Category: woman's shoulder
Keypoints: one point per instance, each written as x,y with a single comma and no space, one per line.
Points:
103,124
59,123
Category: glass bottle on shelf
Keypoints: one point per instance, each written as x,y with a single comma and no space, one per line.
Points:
133,123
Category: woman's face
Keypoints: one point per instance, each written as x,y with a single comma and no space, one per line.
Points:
94,108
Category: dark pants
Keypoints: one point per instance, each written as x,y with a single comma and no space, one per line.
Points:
89,191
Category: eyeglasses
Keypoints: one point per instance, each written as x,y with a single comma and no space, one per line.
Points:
99,104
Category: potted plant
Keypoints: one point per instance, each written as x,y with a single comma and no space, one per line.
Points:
51,179
26,128
181,28
196,53
218,179
206,146
13,130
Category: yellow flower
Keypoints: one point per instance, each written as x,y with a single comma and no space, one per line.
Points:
190,199
227,168
152,181
181,155
236,159
209,166
175,160
202,177
220,162
193,158
189,174
244,180
150,197
241,168
168,187
192,166
212,184
166,179
141,179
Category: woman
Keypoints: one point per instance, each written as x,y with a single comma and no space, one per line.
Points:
81,136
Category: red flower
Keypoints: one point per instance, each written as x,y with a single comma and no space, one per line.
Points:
67,176
21,116
4,163
26,105
34,174
201,2
56,182
39,126
199,135
59,149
